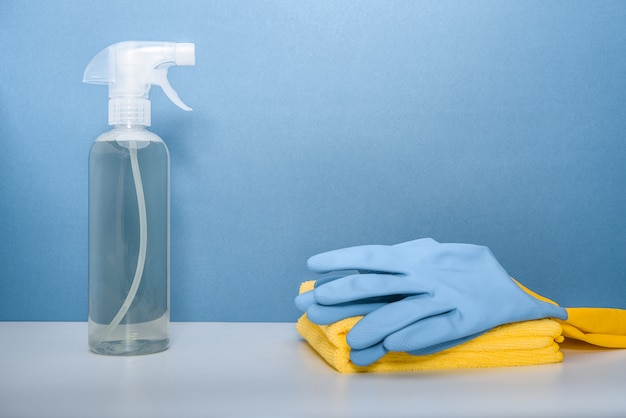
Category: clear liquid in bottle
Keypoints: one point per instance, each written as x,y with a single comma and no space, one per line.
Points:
117,234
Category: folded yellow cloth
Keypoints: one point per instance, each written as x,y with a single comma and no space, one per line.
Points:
517,344
604,327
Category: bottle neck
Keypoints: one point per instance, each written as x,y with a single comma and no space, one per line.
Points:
129,111
130,127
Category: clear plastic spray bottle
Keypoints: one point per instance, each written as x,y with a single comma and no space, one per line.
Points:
129,192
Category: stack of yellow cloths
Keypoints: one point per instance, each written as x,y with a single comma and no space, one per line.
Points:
518,344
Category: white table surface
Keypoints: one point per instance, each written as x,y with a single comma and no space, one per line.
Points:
266,370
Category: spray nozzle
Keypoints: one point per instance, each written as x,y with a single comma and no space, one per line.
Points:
130,68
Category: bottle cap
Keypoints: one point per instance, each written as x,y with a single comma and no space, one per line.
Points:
129,69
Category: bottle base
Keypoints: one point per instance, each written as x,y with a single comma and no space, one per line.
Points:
130,347
130,339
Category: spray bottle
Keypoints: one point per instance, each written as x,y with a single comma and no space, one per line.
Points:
129,192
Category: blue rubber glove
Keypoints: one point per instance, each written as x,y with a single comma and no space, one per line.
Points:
419,298
328,314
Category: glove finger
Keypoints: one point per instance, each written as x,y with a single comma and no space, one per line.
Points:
417,243
324,315
422,242
381,323
304,300
368,355
443,346
363,286
431,332
326,279
366,257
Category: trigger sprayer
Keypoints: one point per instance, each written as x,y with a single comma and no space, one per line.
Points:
129,201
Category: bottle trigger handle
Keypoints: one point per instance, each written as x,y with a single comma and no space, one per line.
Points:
160,79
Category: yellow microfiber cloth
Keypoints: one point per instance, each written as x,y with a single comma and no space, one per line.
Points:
604,327
517,344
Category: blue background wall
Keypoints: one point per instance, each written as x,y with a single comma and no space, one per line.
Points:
324,124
